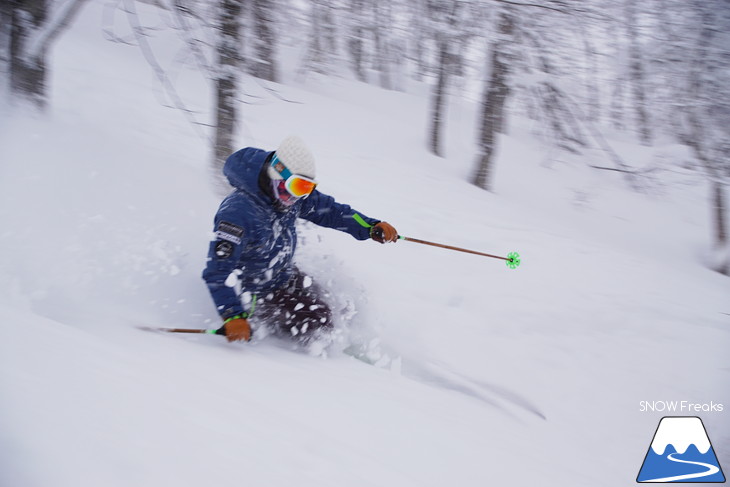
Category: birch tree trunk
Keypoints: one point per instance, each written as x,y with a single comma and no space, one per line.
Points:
718,209
636,75
356,40
438,106
496,91
707,121
264,40
322,38
383,44
226,84
34,27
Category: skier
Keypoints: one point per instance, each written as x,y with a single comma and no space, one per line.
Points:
250,271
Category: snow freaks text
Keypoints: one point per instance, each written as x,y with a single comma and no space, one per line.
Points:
679,407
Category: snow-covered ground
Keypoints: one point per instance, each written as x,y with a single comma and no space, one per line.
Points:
483,375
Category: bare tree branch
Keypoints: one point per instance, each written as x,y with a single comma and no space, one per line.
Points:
60,22
535,5
180,10
157,68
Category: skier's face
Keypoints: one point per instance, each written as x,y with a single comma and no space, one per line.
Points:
282,194
291,185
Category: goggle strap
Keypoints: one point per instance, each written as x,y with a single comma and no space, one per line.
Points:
289,178
280,167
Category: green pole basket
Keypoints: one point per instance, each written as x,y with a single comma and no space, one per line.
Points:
513,260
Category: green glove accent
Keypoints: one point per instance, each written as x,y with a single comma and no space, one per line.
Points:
361,221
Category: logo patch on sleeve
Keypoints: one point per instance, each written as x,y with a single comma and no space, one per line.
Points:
223,249
230,232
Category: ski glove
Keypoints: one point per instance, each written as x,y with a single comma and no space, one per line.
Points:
384,232
235,329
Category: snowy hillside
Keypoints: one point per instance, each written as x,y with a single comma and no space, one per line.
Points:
482,375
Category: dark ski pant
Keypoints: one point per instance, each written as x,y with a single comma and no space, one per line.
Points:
297,310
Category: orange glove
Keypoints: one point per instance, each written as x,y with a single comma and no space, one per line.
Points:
384,232
235,330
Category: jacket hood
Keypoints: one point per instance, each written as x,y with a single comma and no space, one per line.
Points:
243,168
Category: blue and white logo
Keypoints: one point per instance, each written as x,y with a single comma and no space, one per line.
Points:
681,452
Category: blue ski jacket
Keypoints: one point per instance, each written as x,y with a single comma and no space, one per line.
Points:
251,254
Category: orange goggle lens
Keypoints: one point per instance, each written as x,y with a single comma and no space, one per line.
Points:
300,185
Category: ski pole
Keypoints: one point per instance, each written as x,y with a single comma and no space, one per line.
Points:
512,260
180,330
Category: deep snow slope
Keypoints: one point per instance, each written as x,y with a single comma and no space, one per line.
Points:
482,375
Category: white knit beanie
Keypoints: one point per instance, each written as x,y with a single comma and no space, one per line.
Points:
295,156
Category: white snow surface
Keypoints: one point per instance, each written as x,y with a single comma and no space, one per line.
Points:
481,375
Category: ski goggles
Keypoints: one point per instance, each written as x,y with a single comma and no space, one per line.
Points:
297,185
